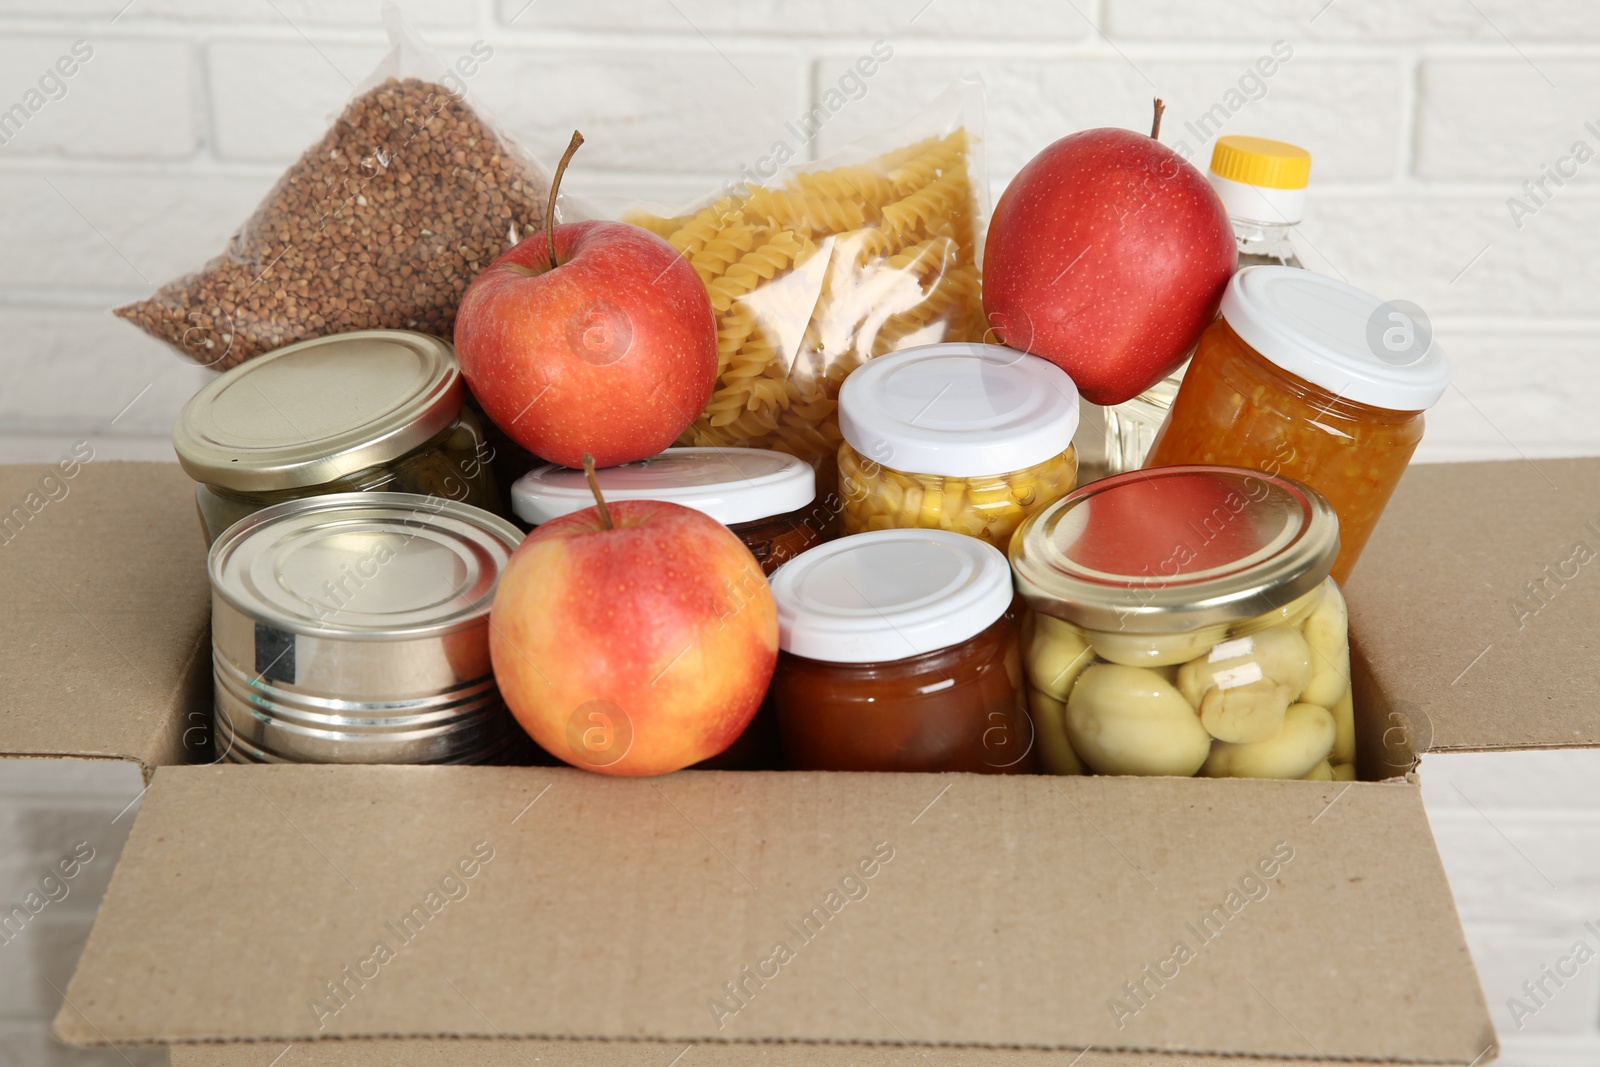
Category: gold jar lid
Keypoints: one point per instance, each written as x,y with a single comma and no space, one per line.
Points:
1172,549
319,410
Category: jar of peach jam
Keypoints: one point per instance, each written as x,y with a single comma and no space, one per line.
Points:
897,651
1310,378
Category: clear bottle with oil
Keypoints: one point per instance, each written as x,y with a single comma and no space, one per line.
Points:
1262,184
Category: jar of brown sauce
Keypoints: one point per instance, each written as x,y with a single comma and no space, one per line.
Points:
898,651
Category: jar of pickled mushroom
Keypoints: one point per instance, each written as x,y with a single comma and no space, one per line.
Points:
1311,378
965,437
767,498
1181,621
897,651
373,410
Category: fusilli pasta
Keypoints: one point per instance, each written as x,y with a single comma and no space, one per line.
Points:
814,276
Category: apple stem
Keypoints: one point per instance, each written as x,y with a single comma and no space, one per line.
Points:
1155,126
594,487
555,187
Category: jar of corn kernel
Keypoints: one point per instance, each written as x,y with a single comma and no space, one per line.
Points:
965,437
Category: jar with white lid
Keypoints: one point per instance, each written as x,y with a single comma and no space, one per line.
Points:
767,498
1311,378
373,410
1182,621
897,651
964,437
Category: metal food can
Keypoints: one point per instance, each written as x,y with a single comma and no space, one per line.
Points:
354,628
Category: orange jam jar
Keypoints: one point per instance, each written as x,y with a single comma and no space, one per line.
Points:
1309,378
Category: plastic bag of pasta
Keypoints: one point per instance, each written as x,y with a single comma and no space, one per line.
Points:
830,264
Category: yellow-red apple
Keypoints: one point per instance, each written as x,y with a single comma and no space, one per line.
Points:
635,639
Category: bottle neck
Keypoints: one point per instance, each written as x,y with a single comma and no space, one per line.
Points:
1265,243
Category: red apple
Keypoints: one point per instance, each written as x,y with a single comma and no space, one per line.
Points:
638,649
1107,255
597,337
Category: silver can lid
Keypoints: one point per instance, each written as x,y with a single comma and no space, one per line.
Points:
1171,549
369,565
319,410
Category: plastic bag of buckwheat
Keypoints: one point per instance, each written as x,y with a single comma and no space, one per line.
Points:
379,225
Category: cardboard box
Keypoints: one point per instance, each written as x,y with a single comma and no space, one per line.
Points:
105,640
579,919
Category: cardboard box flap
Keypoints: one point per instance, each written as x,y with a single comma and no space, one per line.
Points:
105,637
291,903
477,1053
1476,606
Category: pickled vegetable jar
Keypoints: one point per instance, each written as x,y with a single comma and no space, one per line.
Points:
897,651
965,437
1182,622
767,498
1310,378
364,411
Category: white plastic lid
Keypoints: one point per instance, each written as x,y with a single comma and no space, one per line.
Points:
1259,203
732,485
958,410
889,595
1334,335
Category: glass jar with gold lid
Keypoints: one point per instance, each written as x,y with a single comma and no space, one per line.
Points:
1182,622
373,410
964,437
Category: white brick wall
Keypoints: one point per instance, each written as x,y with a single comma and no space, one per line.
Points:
1423,118
47,809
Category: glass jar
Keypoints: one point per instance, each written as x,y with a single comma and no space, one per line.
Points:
374,410
1296,379
1182,622
767,498
897,651
1262,184
963,437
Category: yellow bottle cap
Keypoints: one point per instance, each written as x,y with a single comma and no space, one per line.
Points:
1261,162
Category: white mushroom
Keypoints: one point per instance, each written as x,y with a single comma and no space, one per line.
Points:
1322,772
1153,650
1124,720
1344,722
1055,656
1291,614
1305,741
1327,632
1049,728
1245,713
1243,686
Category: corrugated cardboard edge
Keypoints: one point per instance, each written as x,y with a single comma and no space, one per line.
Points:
847,1052
480,1053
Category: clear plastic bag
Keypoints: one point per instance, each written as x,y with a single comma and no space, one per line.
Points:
830,264
379,225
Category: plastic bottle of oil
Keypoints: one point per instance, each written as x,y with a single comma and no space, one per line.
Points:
1262,184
